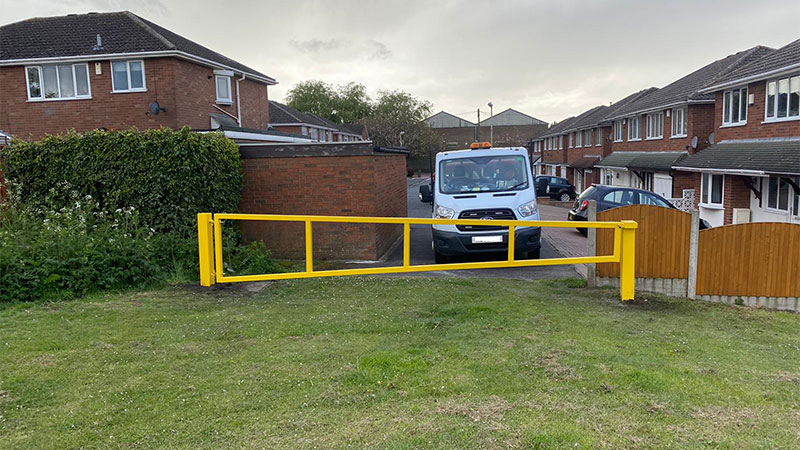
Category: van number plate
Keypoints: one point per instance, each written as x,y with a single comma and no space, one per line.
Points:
486,239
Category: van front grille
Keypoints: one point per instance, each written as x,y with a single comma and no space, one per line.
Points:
488,215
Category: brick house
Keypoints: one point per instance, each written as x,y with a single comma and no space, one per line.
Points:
116,71
290,120
575,145
659,129
751,172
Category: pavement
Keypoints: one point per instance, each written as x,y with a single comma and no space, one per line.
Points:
422,252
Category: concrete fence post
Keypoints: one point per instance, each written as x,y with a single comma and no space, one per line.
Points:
694,237
591,269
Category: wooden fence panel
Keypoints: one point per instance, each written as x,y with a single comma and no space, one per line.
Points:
662,241
749,259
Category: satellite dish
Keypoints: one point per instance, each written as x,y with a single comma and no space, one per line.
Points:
154,108
694,142
711,139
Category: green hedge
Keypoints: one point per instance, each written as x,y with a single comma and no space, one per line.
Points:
167,175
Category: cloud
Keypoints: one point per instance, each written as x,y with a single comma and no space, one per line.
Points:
380,50
315,46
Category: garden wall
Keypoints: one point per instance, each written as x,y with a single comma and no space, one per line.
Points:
334,179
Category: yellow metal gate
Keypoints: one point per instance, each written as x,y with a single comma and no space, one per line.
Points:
209,227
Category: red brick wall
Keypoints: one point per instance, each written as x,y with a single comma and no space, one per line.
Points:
699,123
183,88
736,195
369,184
755,116
686,180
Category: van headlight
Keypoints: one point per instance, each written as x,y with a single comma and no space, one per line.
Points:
528,209
443,213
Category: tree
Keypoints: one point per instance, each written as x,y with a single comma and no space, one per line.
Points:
396,112
347,103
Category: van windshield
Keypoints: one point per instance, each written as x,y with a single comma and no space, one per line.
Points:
483,174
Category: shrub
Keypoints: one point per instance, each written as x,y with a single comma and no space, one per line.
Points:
167,175
77,249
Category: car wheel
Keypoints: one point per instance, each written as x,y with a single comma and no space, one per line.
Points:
564,197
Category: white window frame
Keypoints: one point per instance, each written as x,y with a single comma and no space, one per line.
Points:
682,129
775,117
128,62
587,138
638,128
578,139
617,131
727,112
655,124
789,201
570,139
42,98
705,197
561,142
221,100
599,137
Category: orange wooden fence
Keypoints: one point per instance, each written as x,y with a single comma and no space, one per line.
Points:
751,259
662,241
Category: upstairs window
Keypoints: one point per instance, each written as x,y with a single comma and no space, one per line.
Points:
561,142
634,129
783,99
58,81
734,107
599,136
587,138
679,122
579,139
570,140
128,76
618,131
224,90
655,126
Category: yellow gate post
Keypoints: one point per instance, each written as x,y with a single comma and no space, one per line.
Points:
205,241
627,262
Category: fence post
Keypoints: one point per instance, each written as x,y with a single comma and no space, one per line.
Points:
694,239
205,240
591,233
627,262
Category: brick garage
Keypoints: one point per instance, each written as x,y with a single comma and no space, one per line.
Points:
334,179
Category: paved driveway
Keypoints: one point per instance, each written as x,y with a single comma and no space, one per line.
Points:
422,253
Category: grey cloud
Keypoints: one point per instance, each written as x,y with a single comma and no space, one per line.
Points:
316,45
380,50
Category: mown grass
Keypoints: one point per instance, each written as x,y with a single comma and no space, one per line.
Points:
397,363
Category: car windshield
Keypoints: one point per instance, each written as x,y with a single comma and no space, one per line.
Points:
483,174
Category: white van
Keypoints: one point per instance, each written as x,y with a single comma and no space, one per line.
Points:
486,184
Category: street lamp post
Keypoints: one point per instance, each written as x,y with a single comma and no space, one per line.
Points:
491,124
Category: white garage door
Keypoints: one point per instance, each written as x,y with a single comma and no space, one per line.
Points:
662,185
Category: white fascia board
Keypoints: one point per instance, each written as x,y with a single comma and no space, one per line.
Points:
741,172
259,136
154,54
757,77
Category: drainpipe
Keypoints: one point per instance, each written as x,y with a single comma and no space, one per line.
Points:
239,100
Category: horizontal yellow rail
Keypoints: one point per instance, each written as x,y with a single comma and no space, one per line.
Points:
210,242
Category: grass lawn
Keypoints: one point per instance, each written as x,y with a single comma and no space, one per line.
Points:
397,363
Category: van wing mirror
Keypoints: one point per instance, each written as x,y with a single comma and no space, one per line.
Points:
425,194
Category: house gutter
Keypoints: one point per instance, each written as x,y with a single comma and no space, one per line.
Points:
239,99
746,80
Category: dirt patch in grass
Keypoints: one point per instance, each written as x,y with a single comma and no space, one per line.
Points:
554,367
488,412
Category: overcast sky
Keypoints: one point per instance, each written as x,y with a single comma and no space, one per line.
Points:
549,59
